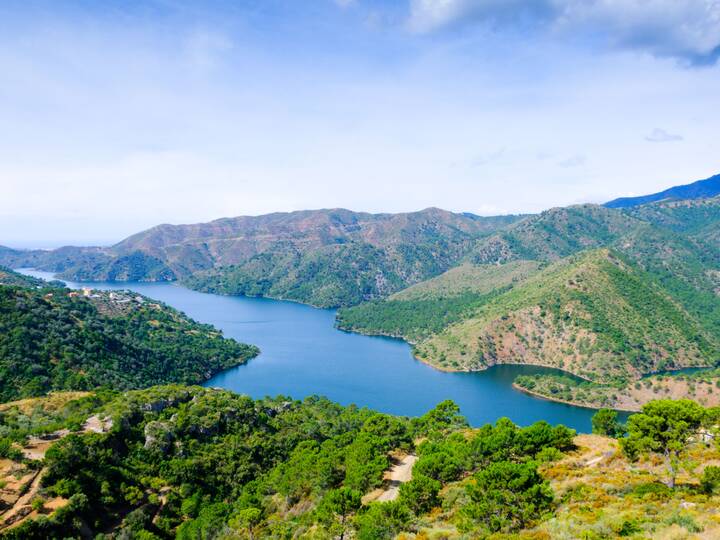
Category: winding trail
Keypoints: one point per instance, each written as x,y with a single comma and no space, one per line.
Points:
398,474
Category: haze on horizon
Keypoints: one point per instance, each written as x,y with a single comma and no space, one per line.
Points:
123,115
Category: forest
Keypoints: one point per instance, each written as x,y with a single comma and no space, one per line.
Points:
52,338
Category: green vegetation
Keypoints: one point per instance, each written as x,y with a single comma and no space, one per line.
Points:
56,339
325,258
9,277
57,411
605,422
191,462
664,427
429,307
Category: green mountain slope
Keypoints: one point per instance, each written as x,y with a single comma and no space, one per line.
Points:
10,277
430,306
57,339
198,463
189,462
593,315
554,234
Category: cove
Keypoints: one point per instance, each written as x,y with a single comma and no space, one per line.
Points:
303,354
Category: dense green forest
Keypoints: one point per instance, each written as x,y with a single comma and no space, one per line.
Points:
52,338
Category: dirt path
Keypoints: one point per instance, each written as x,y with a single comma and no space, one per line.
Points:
35,449
22,508
399,473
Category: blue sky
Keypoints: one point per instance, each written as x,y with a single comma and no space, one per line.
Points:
119,116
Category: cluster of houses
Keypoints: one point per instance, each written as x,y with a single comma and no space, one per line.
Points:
115,297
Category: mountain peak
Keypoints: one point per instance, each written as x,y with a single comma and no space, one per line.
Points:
701,189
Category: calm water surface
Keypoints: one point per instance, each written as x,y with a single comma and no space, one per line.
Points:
304,354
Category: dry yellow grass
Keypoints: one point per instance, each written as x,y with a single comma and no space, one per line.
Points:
598,498
51,402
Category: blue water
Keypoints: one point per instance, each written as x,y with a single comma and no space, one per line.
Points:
304,354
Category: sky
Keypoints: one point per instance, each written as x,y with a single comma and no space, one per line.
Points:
116,116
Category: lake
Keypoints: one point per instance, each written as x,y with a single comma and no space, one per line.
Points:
302,353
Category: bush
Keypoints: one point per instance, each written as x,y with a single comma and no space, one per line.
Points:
8,451
710,480
604,422
508,496
548,455
652,490
420,494
439,466
685,520
382,521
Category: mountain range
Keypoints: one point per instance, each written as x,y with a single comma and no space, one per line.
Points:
322,257
609,294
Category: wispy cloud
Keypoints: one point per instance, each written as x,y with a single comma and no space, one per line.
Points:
658,135
577,160
688,30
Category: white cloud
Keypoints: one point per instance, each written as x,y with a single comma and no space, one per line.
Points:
684,29
660,135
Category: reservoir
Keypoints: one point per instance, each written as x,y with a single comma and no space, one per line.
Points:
303,354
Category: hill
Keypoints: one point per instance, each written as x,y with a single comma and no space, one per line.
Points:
52,338
188,462
430,306
10,277
487,310
322,257
710,187
554,234
593,315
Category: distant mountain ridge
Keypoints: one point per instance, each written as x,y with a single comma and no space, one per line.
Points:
710,187
322,257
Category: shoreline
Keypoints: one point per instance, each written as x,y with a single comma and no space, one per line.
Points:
567,402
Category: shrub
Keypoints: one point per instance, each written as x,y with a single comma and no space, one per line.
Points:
710,480
420,494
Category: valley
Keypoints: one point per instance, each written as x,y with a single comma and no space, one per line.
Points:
608,294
